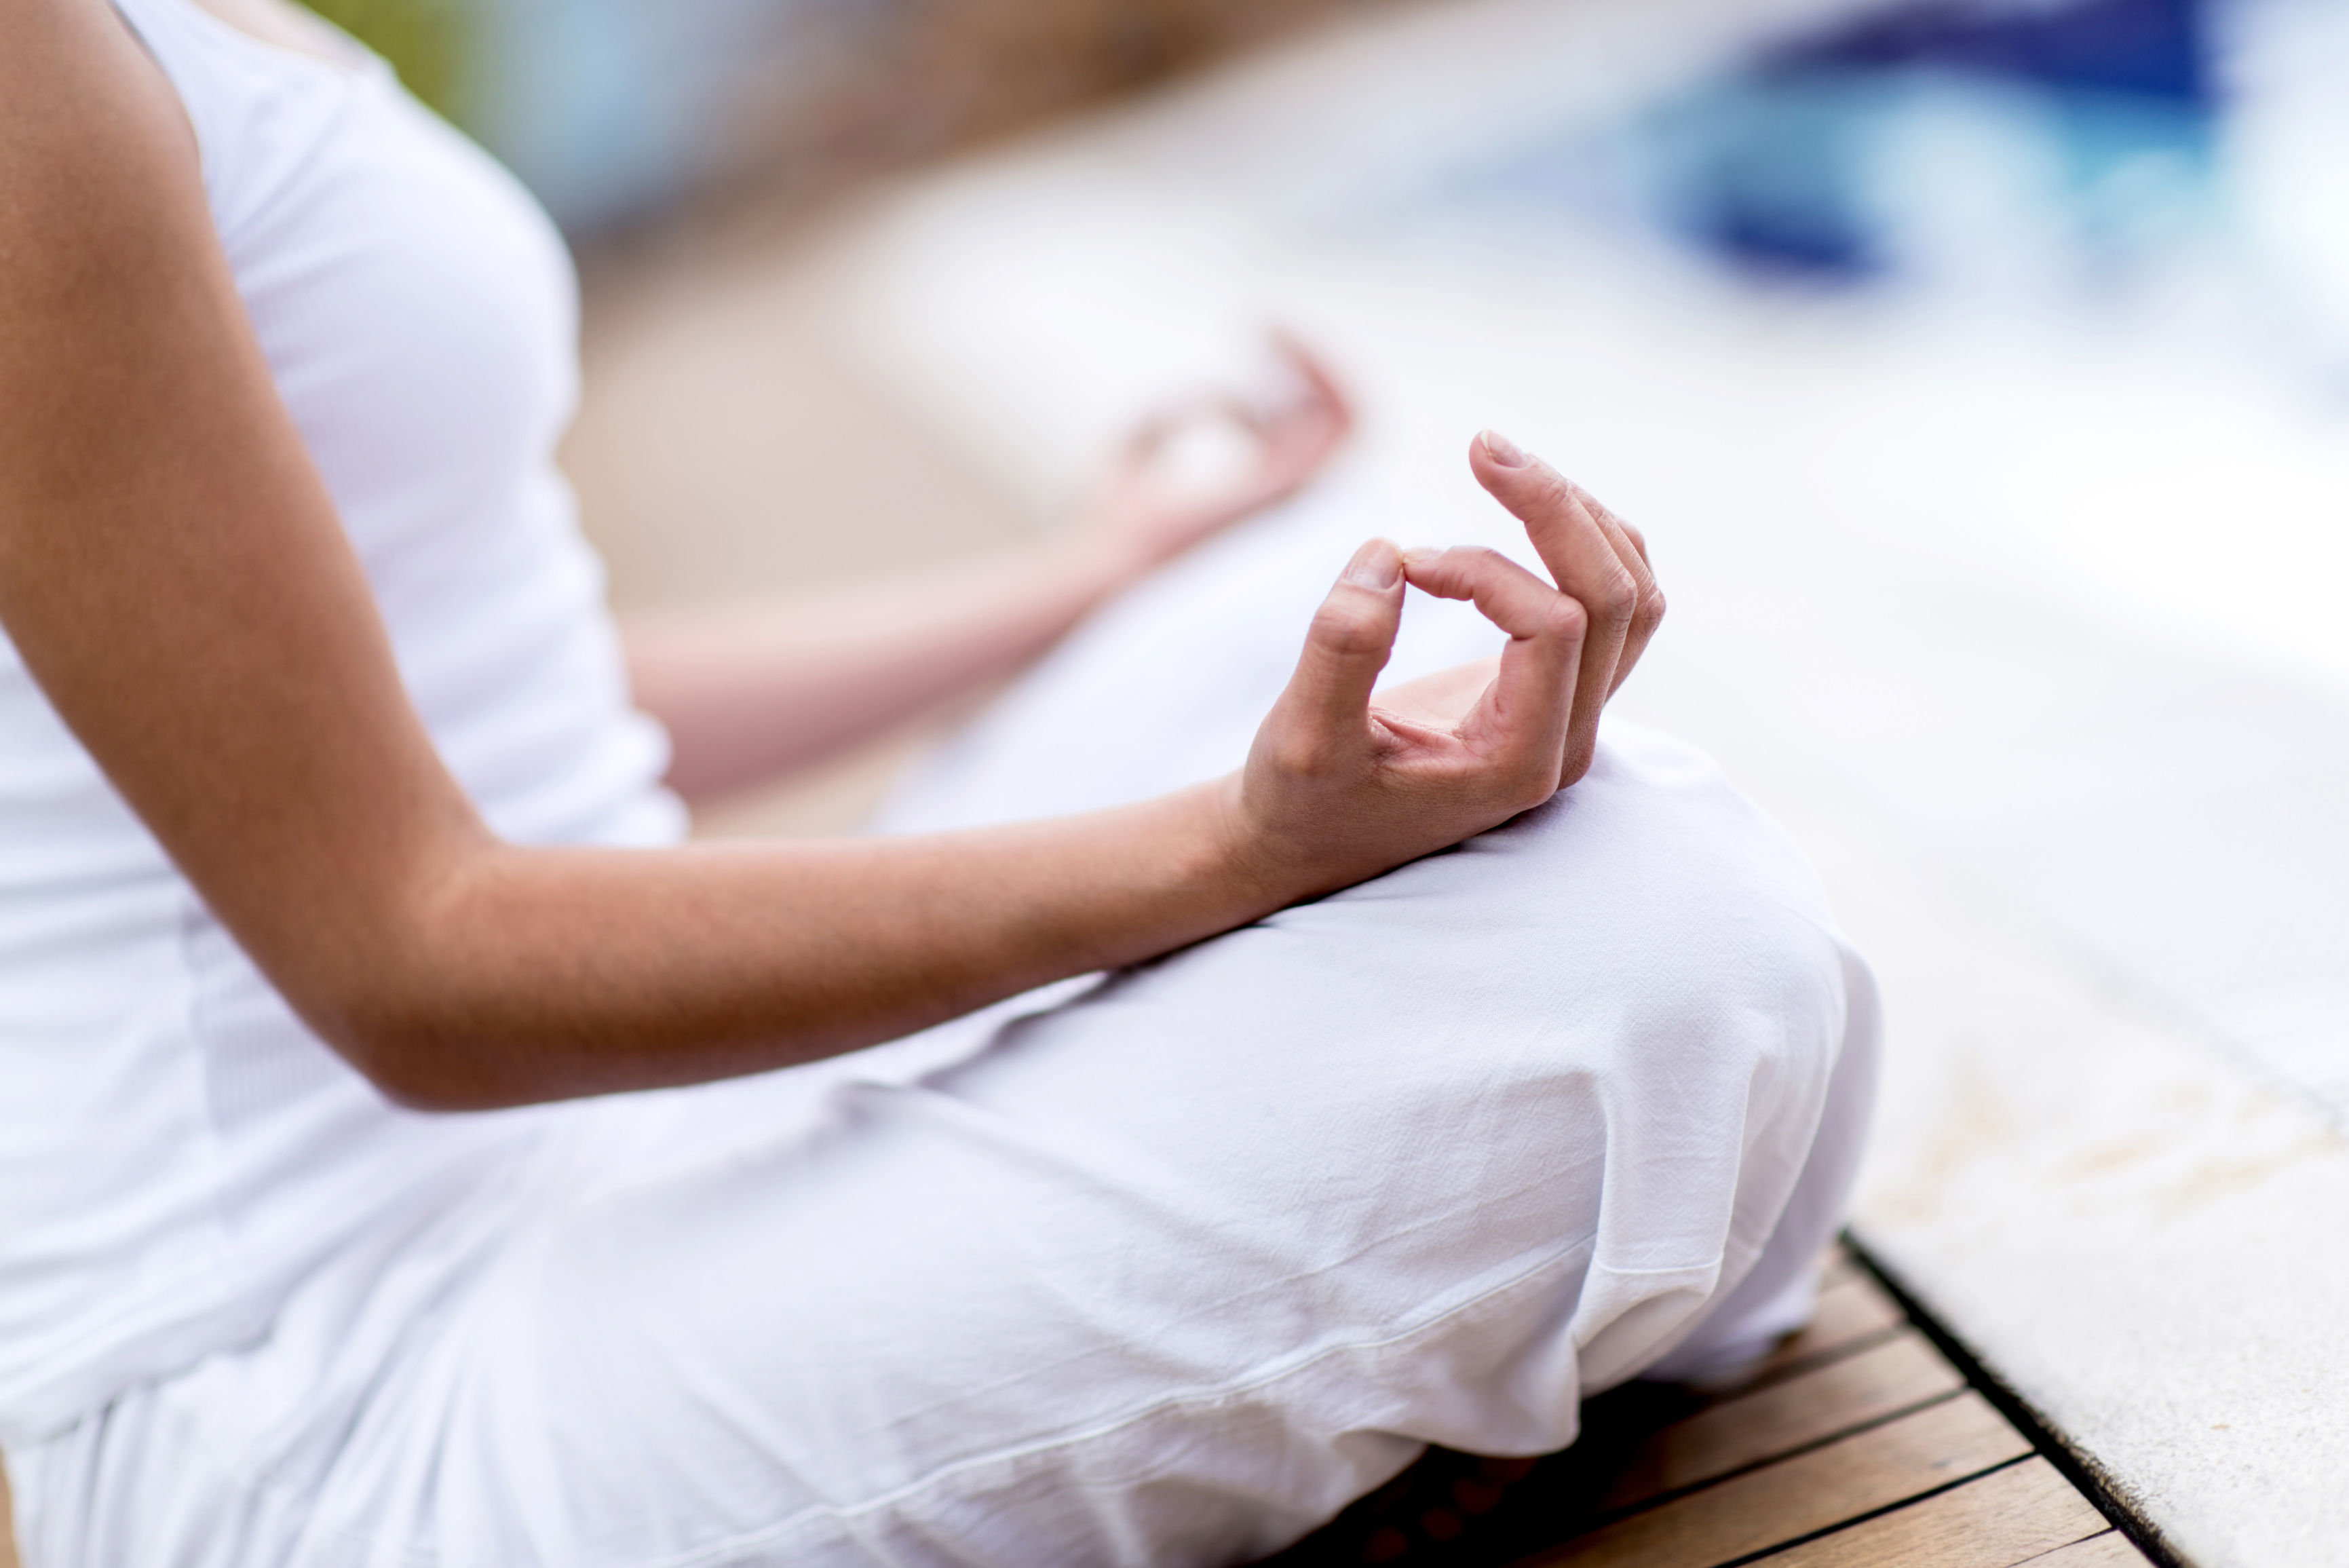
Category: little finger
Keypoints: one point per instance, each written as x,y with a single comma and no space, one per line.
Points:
1631,549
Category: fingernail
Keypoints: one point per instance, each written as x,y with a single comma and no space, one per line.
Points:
1502,449
1420,552
1374,565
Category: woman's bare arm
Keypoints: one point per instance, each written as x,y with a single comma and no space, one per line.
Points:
747,691
173,573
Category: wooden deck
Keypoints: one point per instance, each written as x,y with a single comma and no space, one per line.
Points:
1859,1446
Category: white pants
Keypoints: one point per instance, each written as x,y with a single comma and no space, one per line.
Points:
1159,1270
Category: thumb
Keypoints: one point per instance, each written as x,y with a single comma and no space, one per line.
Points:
1349,643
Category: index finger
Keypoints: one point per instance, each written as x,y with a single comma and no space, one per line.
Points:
1523,718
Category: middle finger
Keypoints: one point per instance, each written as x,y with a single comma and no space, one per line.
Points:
1587,564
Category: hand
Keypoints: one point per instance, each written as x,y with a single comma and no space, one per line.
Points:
1145,515
1533,489
1337,789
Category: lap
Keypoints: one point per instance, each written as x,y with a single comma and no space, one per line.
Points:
1163,1270
1190,1258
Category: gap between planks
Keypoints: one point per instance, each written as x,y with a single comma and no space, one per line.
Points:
1860,1449
1791,1499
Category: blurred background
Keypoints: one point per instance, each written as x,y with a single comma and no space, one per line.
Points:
1978,370
1889,320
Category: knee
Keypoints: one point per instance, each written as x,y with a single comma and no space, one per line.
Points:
1651,912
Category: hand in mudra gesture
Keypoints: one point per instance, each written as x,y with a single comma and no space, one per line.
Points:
1355,785
1148,514
180,582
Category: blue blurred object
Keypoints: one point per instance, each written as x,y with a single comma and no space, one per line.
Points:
1780,169
2007,147
2157,50
608,108
1816,160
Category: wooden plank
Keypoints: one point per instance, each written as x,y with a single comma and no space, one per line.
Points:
1798,1496
1776,1419
1849,1311
2110,1549
2009,1516
1852,1308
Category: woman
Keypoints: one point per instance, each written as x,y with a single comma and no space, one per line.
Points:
326,816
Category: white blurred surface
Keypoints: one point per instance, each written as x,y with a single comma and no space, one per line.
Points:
2028,625
2023,617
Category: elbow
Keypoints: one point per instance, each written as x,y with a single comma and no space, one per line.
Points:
405,1000
418,1062
435,1080
415,1083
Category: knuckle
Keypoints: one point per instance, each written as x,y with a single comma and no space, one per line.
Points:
1298,748
1552,492
1616,599
1350,630
1651,610
1541,781
1581,749
1301,757
1530,782
1569,620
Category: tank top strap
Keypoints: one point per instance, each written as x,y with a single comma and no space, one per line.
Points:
260,110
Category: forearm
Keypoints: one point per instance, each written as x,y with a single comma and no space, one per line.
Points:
174,576
752,690
517,975
748,692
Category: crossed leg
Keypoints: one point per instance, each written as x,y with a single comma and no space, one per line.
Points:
1164,1271
1168,1272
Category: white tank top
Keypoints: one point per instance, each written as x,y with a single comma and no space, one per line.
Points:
175,1148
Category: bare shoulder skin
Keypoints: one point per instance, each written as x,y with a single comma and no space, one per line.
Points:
173,573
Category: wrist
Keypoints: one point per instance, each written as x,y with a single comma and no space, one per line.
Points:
1109,557
1251,867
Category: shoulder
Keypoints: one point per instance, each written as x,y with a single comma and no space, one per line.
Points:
80,97
100,177
107,248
